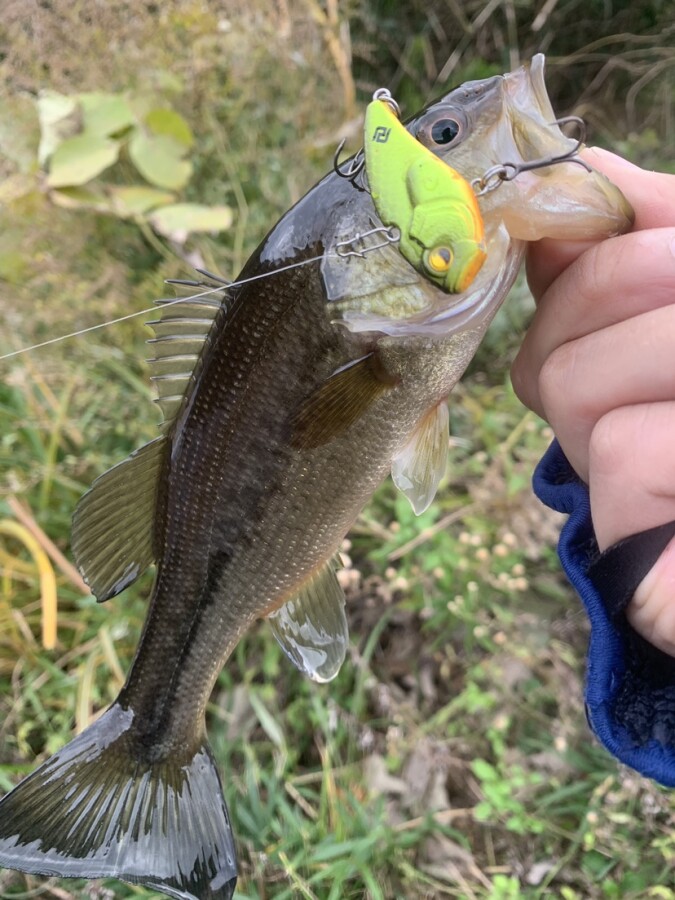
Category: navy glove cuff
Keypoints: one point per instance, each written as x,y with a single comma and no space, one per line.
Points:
630,685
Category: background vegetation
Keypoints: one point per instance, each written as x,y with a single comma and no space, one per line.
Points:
451,755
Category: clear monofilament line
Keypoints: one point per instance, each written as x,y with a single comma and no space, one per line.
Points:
151,309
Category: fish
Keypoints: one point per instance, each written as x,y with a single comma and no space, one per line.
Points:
287,399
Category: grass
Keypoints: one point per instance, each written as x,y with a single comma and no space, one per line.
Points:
450,757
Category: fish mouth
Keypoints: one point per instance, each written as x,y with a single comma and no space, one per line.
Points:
566,200
501,121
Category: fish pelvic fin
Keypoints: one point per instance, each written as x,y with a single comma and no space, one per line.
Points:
97,810
419,466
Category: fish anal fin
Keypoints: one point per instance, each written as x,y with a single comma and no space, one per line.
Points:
339,402
312,627
418,468
97,809
113,524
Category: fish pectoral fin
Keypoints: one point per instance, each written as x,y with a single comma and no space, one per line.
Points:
99,809
113,524
312,627
339,402
418,468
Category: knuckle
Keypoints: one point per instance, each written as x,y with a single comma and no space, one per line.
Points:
522,381
612,443
555,377
593,269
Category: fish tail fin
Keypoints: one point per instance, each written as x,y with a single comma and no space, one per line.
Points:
98,809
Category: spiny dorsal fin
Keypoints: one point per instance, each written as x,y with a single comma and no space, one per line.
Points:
181,334
312,627
418,468
340,401
113,524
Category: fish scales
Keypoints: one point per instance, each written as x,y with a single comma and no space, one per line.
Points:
250,482
285,407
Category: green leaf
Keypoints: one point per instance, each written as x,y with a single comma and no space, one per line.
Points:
80,198
483,770
269,724
159,160
105,114
59,118
80,159
180,219
137,200
170,124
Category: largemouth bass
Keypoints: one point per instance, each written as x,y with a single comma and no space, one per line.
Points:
286,403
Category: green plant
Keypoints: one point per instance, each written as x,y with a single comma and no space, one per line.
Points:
94,146
507,793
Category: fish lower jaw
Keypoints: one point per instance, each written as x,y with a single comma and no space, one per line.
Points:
566,204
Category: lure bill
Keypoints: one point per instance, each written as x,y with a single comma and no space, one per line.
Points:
288,397
434,209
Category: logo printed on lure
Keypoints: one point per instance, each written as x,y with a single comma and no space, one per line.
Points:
381,134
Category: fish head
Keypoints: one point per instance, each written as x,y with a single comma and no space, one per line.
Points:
509,120
499,123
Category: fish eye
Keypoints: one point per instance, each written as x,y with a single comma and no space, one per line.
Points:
444,131
438,260
441,129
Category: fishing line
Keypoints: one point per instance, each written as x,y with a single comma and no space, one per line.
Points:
153,309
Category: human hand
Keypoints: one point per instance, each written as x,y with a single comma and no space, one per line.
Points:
598,363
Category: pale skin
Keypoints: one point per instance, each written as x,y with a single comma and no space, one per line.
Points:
598,363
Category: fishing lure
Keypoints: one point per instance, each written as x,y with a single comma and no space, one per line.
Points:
434,209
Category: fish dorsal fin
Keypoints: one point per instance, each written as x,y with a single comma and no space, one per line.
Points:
418,468
312,627
339,402
181,334
113,524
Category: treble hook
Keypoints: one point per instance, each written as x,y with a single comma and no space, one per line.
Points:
355,167
507,171
359,160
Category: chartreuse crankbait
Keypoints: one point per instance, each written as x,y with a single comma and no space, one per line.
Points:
432,206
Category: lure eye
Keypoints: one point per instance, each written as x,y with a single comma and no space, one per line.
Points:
444,131
439,259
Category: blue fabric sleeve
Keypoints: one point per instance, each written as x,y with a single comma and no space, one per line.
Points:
630,685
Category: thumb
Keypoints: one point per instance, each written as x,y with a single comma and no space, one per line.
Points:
652,609
632,488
